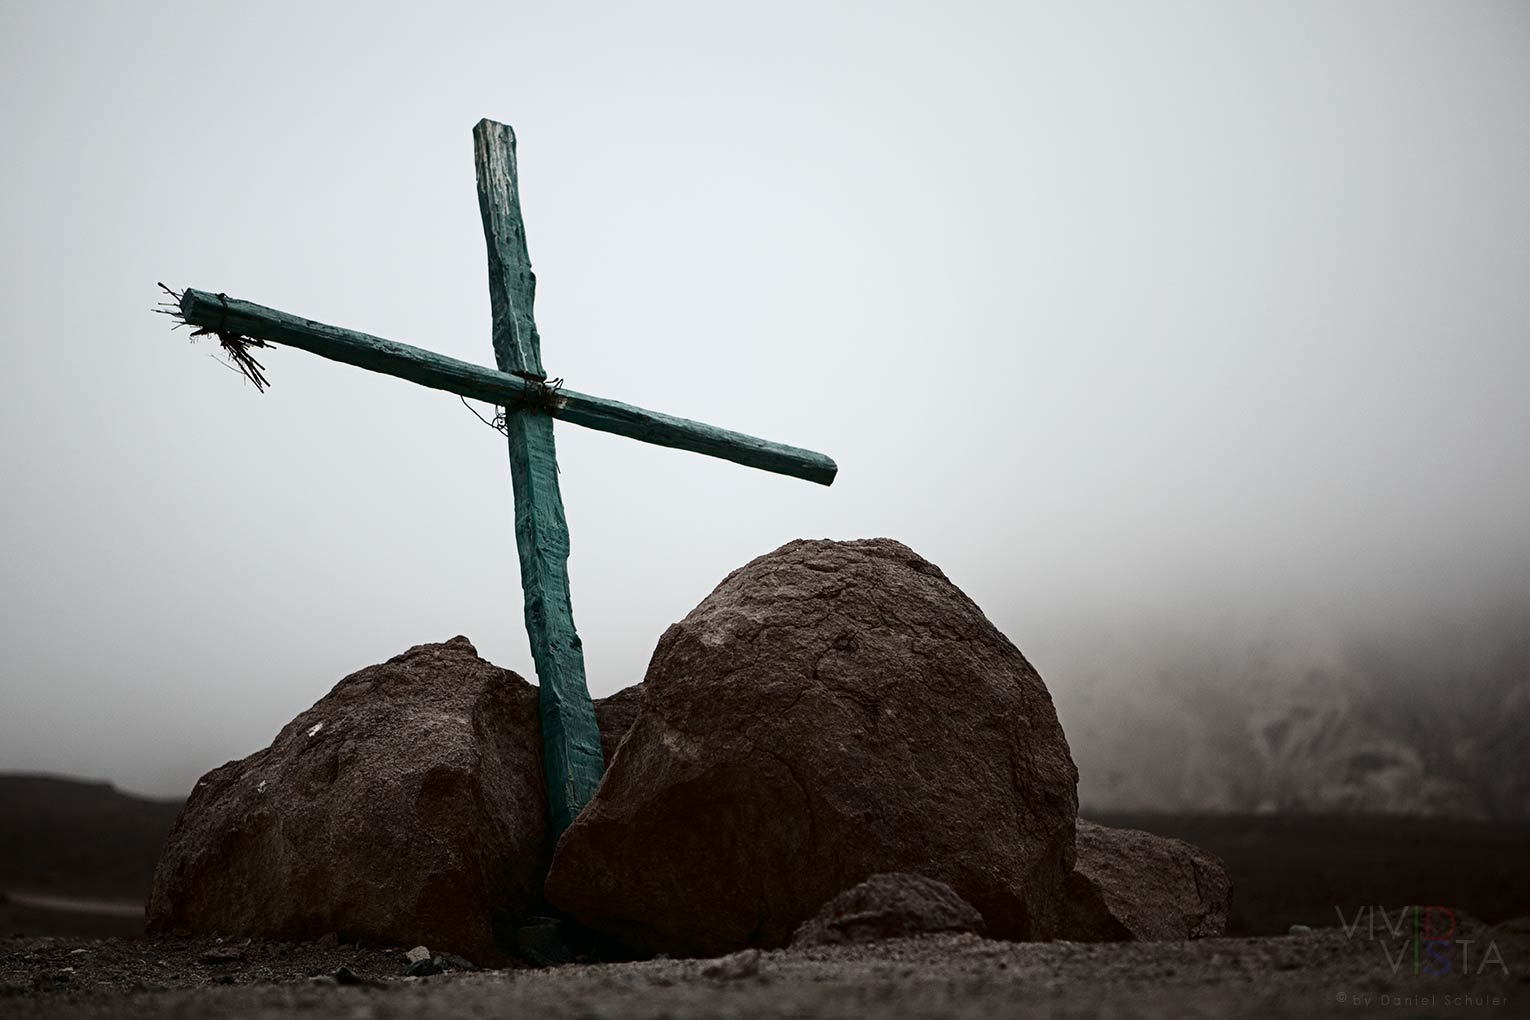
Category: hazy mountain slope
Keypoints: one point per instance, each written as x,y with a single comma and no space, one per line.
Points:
1430,722
79,838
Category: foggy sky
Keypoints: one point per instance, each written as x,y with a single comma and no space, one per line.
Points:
1151,324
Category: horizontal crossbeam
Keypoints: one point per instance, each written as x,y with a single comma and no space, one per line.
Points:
417,365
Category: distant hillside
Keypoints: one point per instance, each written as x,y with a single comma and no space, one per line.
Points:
1426,724
79,838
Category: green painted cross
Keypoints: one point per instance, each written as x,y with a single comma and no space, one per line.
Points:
570,739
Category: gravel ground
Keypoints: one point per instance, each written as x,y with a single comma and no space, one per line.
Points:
1323,972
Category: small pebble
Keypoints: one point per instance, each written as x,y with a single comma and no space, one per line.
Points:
736,967
451,961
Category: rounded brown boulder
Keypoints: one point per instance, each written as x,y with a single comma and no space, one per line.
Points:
406,807
831,711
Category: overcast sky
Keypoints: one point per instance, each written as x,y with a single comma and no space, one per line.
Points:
1136,319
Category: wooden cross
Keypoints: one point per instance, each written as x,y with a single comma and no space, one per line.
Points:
570,739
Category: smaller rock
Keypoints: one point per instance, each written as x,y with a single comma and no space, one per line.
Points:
417,954
223,954
735,966
1299,929
421,776
1128,885
422,968
889,906
346,976
543,944
450,961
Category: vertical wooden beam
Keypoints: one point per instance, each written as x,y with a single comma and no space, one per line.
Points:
512,284
571,754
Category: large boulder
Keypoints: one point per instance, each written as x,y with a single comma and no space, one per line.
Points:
1130,885
831,711
891,906
407,806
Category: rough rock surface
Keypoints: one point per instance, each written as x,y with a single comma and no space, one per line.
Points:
890,906
407,806
614,716
1133,885
831,711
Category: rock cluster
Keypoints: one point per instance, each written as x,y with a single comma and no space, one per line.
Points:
835,743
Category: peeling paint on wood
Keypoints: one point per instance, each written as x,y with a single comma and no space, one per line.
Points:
389,357
512,284
571,756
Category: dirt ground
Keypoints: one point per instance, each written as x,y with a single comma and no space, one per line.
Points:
1323,972
93,963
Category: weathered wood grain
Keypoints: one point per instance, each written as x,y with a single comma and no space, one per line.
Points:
426,368
512,284
571,755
